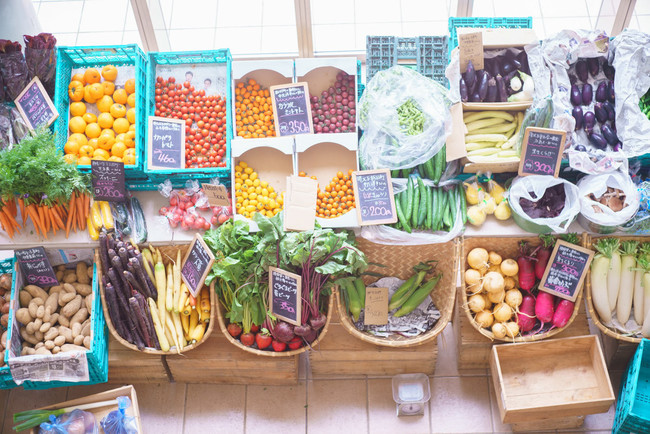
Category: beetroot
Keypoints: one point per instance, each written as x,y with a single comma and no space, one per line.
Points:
283,331
302,330
318,322
311,335
334,106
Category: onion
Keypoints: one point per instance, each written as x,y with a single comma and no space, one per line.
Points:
499,330
476,303
494,258
514,298
484,318
477,258
497,296
493,282
502,312
509,267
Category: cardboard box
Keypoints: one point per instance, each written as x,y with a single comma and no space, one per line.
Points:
272,159
101,412
551,379
322,156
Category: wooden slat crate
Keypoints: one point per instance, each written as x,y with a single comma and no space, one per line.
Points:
341,354
618,353
474,348
126,366
219,361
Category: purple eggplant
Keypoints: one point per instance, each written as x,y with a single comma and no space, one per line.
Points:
488,65
573,79
589,121
497,65
475,97
609,134
593,65
611,95
618,147
581,70
507,66
613,125
587,94
502,93
576,95
597,140
601,113
601,92
578,116
516,63
470,74
522,57
609,71
580,148
464,94
609,107
483,86
491,95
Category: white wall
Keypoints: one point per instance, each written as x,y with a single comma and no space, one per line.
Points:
18,18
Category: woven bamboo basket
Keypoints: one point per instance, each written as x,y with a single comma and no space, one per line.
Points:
221,317
590,303
507,247
168,253
399,262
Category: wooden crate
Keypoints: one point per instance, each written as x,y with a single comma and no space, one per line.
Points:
219,361
126,366
618,353
340,354
554,379
474,348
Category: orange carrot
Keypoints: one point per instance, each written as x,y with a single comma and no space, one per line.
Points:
56,218
21,202
11,218
12,207
192,300
86,198
71,218
33,214
45,223
81,212
6,225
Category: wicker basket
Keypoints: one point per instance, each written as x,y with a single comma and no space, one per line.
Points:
507,247
221,317
168,253
399,262
590,303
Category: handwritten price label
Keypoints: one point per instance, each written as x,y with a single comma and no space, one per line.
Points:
566,270
292,109
541,151
374,197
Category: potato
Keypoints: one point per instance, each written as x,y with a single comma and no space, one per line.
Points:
79,340
39,345
67,333
52,302
63,320
3,339
31,328
49,344
76,329
51,334
38,323
79,317
40,312
66,298
43,351
89,302
33,308
71,347
72,307
90,273
45,327
23,316
4,320
59,275
60,268
56,350
54,318
69,287
59,340
29,337
36,291
87,342
82,273
38,335
55,289
38,300
83,288
85,329
69,276
24,297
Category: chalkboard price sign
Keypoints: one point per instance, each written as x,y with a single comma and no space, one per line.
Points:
35,106
284,295
166,144
108,180
36,267
373,195
291,109
196,264
566,270
541,151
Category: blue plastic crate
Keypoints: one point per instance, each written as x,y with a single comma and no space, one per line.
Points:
433,57
381,53
98,57
6,382
360,86
97,356
221,56
633,407
485,23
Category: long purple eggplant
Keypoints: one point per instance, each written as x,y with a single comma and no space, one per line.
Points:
597,140
587,94
609,71
462,86
502,93
578,116
470,74
576,95
483,86
582,71
491,91
611,95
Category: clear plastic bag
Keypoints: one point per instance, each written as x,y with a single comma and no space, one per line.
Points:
523,186
388,143
597,184
75,422
117,422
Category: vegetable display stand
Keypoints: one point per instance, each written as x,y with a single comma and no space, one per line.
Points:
71,59
325,157
595,317
6,382
74,360
219,362
344,355
633,406
550,384
210,72
256,76
507,247
271,164
168,254
126,366
399,262
270,353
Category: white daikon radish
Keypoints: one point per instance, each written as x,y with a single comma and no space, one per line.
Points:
645,330
599,268
638,296
626,291
614,274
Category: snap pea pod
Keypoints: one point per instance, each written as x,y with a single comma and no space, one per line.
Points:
418,296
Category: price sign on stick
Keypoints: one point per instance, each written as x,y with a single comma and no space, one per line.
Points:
284,295
541,151
36,267
566,270
108,180
217,194
376,310
196,264
470,46
373,196
35,105
291,109
166,144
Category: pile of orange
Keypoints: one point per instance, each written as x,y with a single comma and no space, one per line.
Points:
254,110
109,135
337,198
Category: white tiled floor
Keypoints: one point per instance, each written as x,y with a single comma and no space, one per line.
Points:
460,403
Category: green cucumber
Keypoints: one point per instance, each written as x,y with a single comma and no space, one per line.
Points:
402,218
463,202
416,204
453,204
429,224
422,212
408,210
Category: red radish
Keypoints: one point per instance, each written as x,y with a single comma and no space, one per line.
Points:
526,314
543,255
544,309
255,328
526,269
234,329
278,346
247,339
563,313
295,343
263,340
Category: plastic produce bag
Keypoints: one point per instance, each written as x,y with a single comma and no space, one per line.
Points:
117,422
40,56
631,52
13,69
382,234
421,103
75,422
597,184
523,186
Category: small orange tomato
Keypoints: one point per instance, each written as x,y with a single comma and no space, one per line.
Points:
87,96
96,91
79,77
76,91
109,87
92,76
109,72
86,151
129,86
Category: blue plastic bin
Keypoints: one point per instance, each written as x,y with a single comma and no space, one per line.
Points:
6,382
633,406
485,23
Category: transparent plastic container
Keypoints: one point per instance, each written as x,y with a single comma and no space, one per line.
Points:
411,392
